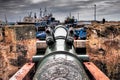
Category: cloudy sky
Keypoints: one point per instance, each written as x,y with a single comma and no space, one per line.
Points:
15,10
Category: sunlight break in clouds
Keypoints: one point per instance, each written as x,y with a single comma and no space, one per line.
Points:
38,1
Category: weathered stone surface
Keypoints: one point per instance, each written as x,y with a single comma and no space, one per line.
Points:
105,39
1,35
17,49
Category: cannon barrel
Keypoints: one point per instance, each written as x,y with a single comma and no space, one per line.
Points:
60,61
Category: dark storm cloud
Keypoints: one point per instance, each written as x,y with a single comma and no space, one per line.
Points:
15,8
11,5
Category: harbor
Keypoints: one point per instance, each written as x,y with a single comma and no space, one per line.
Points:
41,46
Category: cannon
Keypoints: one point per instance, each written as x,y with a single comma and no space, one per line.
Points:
60,61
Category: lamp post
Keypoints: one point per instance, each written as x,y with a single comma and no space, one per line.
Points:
95,12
